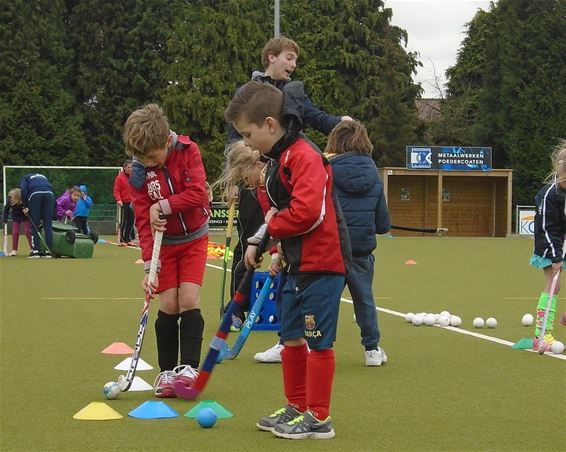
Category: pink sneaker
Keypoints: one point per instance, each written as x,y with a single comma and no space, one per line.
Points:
548,340
164,385
186,374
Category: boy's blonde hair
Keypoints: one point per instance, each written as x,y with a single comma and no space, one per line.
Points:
240,160
349,136
257,101
145,130
16,195
559,164
275,46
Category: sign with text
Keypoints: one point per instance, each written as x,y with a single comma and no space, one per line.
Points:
449,158
525,220
219,217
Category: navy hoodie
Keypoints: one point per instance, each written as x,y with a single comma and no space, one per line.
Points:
360,191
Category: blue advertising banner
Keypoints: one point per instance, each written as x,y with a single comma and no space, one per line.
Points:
449,158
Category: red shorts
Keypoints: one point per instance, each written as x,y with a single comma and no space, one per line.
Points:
184,262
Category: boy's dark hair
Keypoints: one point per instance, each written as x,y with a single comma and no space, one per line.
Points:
277,45
257,101
126,163
349,136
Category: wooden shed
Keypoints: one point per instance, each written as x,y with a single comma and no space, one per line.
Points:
468,203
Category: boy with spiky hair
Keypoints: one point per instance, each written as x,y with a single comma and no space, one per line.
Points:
171,182
304,218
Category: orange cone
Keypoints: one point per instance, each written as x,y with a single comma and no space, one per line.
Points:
411,262
118,348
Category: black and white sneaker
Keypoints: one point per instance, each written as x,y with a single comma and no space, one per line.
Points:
285,414
46,255
34,254
305,426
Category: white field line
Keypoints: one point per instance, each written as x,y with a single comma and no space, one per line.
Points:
91,298
462,331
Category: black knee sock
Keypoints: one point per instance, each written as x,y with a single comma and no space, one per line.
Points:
167,333
192,326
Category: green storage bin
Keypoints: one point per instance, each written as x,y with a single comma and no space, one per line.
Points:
68,241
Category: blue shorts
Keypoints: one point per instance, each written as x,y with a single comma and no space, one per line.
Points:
311,313
542,262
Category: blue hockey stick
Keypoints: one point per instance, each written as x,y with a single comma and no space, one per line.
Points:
250,320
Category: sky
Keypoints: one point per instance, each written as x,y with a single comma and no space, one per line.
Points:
436,29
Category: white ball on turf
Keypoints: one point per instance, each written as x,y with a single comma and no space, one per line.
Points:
527,320
429,319
557,347
478,322
491,322
418,320
111,390
455,320
444,320
409,317
445,313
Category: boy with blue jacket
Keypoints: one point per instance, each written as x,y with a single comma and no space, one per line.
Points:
360,192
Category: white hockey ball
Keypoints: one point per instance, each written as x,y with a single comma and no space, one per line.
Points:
429,319
455,320
491,322
557,347
409,317
478,322
417,320
527,320
111,390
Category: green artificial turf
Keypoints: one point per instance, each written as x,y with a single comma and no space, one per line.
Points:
440,390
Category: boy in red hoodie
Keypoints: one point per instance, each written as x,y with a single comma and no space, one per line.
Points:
169,179
305,218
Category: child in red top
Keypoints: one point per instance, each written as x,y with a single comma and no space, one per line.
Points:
171,182
123,197
304,216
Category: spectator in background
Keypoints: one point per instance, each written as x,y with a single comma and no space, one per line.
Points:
67,203
123,198
16,205
82,211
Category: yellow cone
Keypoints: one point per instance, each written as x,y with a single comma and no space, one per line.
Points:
97,411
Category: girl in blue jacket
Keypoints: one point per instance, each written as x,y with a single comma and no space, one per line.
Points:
360,192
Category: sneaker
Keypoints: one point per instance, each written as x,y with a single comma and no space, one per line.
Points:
548,340
305,426
14,253
46,255
281,416
375,357
272,355
122,244
186,374
236,324
34,254
164,385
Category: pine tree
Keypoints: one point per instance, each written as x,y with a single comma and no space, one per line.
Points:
39,122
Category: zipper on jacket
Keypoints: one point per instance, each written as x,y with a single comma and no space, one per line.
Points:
172,190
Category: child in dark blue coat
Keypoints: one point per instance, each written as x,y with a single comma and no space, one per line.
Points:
360,192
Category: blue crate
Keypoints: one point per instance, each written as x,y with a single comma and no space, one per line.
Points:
268,308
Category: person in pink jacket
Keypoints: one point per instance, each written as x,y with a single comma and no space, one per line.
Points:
67,202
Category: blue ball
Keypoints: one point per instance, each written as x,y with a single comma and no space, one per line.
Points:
206,417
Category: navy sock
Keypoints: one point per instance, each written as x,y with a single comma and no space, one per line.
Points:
167,333
192,326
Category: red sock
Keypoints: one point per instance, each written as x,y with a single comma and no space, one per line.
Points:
294,364
320,374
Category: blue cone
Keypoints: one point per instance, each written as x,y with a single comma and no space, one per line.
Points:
153,410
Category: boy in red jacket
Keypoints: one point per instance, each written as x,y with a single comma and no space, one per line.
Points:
304,217
171,182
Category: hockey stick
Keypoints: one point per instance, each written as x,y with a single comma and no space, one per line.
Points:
541,346
425,230
250,320
6,237
126,381
218,342
231,212
39,234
